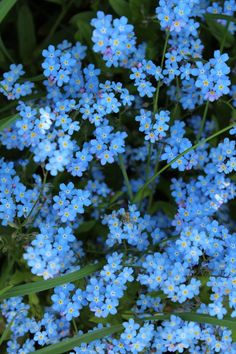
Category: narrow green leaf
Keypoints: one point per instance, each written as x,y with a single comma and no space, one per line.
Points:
121,7
36,78
219,32
26,33
221,17
141,194
195,317
4,290
7,330
82,22
69,344
97,320
85,16
4,50
188,316
6,122
58,2
41,285
201,318
115,197
5,7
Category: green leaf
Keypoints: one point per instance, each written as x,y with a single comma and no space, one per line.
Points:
139,9
115,197
201,318
6,122
7,330
141,194
85,16
4,290
219,32
129,297
86,226
193,317
204,289
82,22
221,17
58,2
84,31
3,50
26,33
20,276
70,343
121,7
5,7
111,319
42,285
135,7
6,333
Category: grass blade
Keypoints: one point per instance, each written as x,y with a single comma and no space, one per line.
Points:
5,7
7,330
194,317
4,290
201,318
41,285
26,33
221,17
70,343
6,122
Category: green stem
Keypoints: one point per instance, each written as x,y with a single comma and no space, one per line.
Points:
155,104
126,178
182,154
155,171
5,51
75,326
37,200
148,160
173,115
36,78
224,38
202,122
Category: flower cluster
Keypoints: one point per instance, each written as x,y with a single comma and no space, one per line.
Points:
70,202
45,331
131,227
142,74
13,89
60,63
115,40
53,252
105,291
227,8
16,200
176,145
212,77
176,15
85,194
155,129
